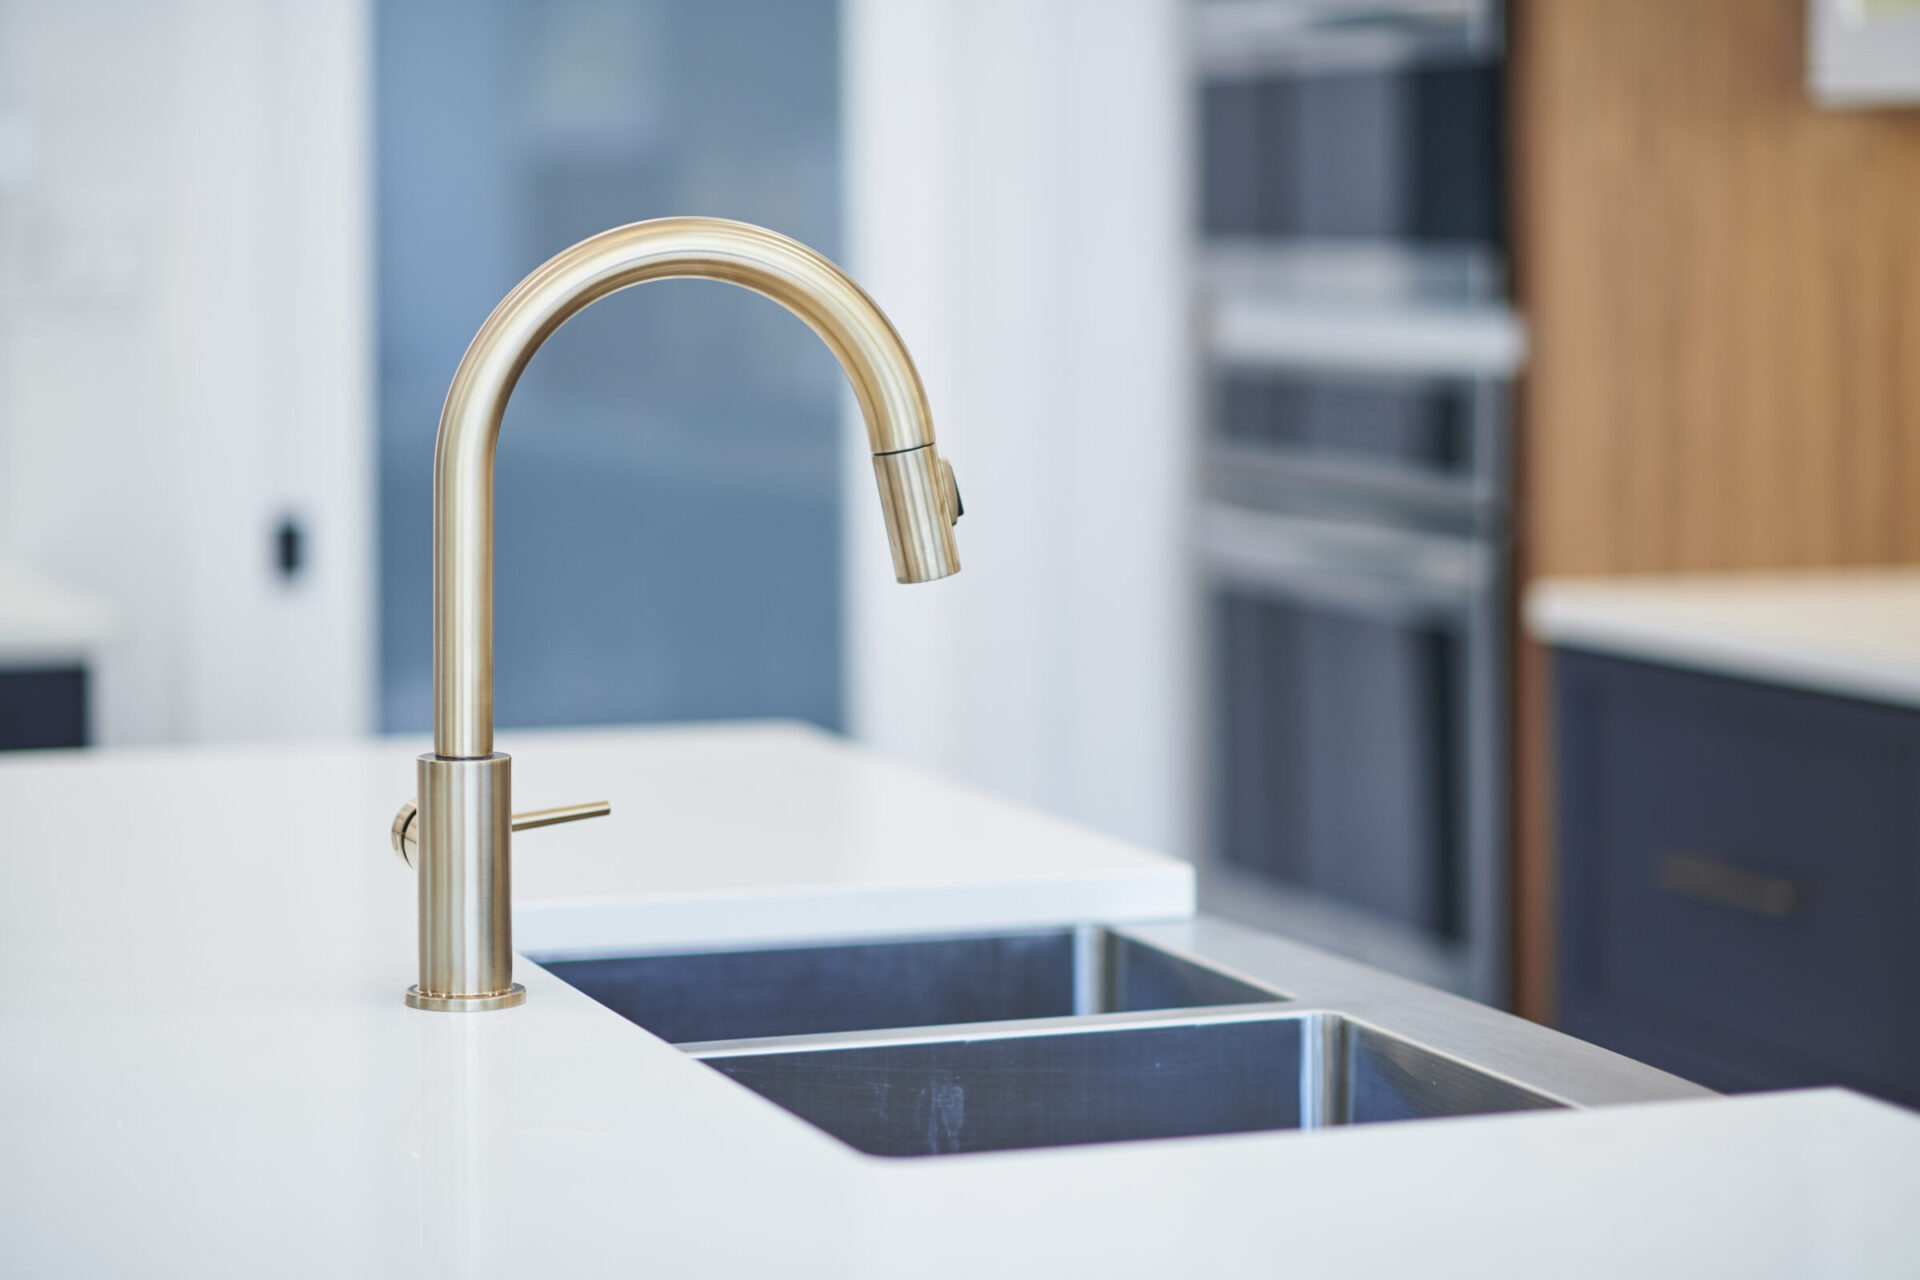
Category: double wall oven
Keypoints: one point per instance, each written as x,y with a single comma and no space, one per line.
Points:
1352,533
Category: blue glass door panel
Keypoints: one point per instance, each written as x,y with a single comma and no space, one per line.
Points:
667,516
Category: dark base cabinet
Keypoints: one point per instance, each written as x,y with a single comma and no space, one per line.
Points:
1739,878
42,708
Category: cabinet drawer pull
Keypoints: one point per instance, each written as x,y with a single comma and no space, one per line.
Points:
1705,878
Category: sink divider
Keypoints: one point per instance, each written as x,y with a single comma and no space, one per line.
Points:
945,1033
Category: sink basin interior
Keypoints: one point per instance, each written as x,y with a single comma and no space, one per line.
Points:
811,990
1006,1091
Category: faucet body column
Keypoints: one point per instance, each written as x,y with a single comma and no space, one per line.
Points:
466,885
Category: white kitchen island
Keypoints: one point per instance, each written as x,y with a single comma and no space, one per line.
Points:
206,1068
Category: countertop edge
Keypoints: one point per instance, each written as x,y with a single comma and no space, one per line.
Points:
1653,620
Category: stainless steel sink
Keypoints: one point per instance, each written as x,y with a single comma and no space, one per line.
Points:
926,982
1089,1034
1070,1085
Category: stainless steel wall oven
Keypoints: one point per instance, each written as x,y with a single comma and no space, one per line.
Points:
1352,533
1360,140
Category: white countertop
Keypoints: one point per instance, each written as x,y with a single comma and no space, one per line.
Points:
724,834
206,1068
46,623
1854,632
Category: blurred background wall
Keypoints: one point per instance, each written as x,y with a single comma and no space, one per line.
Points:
185,352
1017,200
246,242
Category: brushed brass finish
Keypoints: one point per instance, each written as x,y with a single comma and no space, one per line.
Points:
405,833
915,498
462,830
416,999
406,828
564,813
466,888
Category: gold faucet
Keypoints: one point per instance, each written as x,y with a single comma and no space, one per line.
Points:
458,837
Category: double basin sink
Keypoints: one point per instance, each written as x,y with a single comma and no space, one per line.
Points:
936,1046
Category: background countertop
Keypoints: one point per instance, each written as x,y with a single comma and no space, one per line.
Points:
45,623
1853,632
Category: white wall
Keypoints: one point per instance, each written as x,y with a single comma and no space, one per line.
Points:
184,350
1016,204
184,353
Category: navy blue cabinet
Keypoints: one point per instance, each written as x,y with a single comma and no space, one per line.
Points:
43,707
1739,878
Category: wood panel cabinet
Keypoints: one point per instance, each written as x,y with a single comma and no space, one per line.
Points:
1721,283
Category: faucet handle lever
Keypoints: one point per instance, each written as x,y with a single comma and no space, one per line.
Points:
406,823
565,813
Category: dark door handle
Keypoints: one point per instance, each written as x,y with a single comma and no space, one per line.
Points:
1705,878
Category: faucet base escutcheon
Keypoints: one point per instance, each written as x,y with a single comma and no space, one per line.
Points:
466,1004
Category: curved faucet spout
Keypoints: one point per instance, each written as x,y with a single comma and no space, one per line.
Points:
917,493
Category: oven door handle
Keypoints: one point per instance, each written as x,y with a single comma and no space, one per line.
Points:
1343,562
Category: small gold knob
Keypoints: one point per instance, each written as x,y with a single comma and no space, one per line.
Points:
406,824
406,834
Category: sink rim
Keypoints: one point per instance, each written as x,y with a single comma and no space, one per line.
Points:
1320,1019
